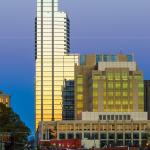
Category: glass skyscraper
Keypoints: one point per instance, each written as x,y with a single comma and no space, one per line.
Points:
54,64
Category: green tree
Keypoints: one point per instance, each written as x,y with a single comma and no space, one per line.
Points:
11,124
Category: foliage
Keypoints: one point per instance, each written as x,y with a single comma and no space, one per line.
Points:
11,124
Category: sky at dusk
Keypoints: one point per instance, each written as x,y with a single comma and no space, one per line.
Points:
97,26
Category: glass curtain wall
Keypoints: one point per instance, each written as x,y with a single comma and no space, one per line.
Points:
53,62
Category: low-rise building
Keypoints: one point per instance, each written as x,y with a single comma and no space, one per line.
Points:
4,98
113,132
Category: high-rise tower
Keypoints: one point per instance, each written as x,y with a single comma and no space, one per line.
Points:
53,61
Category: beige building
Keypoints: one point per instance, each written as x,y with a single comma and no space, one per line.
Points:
108,83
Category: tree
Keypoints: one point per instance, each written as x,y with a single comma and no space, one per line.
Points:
11,124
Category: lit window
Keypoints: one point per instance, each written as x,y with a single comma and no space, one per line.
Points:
95,93
79,89
117,85
125,85
79,97
79,105
140,93
110,93
141,85
110,85
125,94
124,75
118,94
79,80
95,85
138,77
110,76
96,77
117,76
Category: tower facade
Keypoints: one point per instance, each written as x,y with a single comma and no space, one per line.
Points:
108,83
54,64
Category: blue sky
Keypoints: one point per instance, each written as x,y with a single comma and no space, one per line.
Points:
97,26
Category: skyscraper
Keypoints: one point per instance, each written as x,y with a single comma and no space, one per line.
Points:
53,61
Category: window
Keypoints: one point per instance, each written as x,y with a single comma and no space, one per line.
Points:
80,105
100,117
127,135
135,135
110,85
79,80
141,85
110,93
104,117
117,76
108,117
70,136
110,76
124,117
95,85
125,85
117,85
114,58
118,94
141,93
130,58
112,117
125,94
87,135
79,96
79,89
103,136
111,135
98,58
62,136
106,58
78,135
96,77
116,117
110,102
95,93
95,136
119,135
139,77
144,135
82,59
120,117
124,75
